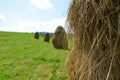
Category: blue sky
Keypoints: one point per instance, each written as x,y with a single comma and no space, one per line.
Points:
32,15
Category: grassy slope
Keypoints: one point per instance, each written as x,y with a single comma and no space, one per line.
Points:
24,58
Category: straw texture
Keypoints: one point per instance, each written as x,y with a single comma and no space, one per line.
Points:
60,40
47,37
95,54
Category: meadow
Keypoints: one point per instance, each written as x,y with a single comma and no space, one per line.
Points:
24,58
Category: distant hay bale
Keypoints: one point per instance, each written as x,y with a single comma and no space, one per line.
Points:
59,40
36,35
47,37
95,54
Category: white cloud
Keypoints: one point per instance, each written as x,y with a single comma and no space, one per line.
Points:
48,26
42,4
2,17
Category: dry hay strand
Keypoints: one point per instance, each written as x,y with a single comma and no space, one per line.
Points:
36,35
47,37
95,54
60,40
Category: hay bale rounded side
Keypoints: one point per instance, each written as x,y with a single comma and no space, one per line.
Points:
60,40
96,44
36,35
46,37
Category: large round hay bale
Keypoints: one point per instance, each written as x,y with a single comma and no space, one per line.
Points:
95,54
46,37
60,40
36,35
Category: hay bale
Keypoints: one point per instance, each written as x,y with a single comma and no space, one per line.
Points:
59,40
95,53
36,35
47,37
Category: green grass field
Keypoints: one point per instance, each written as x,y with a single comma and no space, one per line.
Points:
24,58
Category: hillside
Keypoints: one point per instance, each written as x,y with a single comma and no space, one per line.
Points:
24,58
